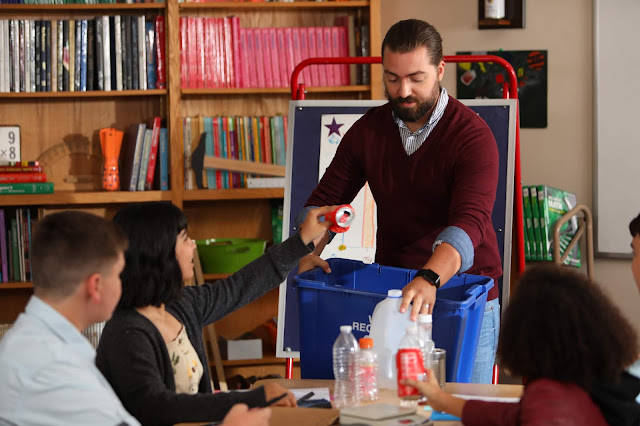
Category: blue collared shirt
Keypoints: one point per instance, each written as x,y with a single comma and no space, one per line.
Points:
49,376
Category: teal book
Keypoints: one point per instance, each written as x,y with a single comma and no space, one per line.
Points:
26,188
555,203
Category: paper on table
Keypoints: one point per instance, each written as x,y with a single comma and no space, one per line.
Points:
488,398
318,393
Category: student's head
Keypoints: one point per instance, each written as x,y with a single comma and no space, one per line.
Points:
74,251
559,325
160,254
634,228
413,68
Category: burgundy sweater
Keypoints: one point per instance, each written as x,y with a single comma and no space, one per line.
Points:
450,180
544,402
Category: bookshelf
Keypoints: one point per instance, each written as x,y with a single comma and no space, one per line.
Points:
48,119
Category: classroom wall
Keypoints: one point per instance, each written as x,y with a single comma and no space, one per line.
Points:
562,154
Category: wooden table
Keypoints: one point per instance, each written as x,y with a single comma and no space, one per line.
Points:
389,396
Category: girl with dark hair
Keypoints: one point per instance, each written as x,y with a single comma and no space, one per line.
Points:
562,334
151,351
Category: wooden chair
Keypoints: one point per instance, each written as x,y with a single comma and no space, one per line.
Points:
209,335
585,229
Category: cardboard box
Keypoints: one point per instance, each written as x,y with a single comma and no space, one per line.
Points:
244,349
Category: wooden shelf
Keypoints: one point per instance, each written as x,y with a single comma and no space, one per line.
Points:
275,5
77,198
270,359
15,285
87,94
233,194
80,7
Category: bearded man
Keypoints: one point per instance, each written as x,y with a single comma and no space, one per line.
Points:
432,166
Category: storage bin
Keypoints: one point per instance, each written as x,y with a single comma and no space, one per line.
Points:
348,296
227,255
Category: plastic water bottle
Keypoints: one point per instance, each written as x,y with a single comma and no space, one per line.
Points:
425,328
410,364
345,350
386,323
367,371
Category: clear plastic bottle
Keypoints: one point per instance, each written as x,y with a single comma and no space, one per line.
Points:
367,371
345,350
410,364
386,321
425,329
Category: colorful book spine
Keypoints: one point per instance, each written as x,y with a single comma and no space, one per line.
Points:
153,153
555,203
3,248
26,188
22,177
164,160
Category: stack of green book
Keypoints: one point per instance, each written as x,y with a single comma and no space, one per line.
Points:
543,205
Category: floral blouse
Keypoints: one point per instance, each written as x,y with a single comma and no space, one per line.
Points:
187,368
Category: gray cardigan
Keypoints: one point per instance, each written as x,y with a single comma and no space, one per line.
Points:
133,356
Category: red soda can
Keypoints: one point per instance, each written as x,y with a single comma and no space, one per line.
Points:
340,218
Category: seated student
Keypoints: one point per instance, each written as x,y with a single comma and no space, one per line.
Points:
562,334
152,351
47,366
618,400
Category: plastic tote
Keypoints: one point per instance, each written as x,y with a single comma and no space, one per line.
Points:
227,255
349,294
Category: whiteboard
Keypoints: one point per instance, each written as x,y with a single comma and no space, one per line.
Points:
616,131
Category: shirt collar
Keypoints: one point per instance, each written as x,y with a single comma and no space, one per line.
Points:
437,113
59,326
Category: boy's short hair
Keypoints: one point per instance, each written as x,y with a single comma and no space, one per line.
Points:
68,246
411,34
634,226
560,325
152,274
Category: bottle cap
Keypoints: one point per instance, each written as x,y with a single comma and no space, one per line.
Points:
425,318
394,293
345,329
366,343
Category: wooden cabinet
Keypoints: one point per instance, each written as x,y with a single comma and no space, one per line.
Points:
64,126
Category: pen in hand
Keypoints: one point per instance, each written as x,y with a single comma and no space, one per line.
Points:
305,397
276,399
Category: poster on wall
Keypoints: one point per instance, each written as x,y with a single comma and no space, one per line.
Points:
484,80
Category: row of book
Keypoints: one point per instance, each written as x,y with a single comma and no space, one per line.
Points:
104,53
220,53
24,178
144,157
257,139
16,225
543,205
92,333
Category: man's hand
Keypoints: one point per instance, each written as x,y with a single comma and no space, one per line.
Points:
273,390
421,293
311,261
241,415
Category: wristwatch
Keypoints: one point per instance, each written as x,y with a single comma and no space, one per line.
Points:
430,276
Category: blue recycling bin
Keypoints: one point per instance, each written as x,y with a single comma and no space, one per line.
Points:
350,293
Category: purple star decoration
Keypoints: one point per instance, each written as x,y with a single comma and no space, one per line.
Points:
334,127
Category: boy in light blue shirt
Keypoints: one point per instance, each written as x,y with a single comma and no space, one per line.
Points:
47,367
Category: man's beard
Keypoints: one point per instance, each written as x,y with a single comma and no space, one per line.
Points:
414,114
